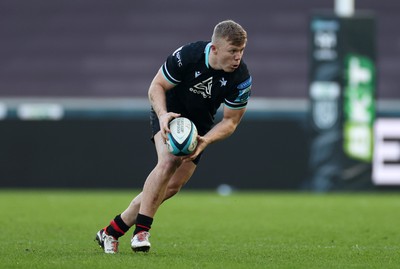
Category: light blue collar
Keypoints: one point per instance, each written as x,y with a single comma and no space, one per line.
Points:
207,52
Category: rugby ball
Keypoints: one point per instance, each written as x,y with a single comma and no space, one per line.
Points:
182,140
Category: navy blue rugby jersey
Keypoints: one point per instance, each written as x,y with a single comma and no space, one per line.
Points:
199,89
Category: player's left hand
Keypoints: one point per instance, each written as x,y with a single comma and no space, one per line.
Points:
202,143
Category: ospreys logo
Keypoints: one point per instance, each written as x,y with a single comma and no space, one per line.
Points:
203,88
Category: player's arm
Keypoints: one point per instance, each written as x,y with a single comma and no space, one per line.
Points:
223,129
158,87
234,109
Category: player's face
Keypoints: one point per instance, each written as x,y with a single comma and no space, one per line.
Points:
228,56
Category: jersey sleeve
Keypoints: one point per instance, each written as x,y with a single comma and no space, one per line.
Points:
239,98
174,67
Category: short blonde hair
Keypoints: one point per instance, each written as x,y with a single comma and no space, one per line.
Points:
230,31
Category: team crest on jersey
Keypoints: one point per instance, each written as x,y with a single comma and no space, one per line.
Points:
203,88
223,82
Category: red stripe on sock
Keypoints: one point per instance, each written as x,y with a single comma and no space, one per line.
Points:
116,227
142,226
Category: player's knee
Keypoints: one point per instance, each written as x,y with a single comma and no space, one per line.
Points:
170,164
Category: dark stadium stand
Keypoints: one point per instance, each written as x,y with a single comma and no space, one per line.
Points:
102,48
74,76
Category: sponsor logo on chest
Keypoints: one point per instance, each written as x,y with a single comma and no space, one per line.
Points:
203,88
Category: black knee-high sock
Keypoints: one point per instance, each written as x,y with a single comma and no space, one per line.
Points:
117,227
143,223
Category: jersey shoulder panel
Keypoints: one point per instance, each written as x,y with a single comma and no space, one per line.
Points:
242,90
181,60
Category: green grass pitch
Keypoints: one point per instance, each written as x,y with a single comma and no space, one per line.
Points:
56,229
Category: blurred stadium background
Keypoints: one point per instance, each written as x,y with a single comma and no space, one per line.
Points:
74,77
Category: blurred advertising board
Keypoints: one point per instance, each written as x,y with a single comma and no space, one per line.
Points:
342,91
386,164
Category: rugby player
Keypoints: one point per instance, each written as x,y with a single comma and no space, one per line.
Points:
193,82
